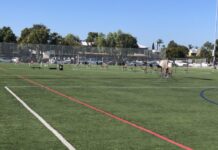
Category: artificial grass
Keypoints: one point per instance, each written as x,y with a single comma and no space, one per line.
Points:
171,107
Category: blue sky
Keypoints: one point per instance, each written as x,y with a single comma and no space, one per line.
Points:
185,21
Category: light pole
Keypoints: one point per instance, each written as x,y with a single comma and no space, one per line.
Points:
215,44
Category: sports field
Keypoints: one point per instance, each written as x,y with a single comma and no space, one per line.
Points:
99,109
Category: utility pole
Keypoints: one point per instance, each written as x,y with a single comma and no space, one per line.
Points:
215,45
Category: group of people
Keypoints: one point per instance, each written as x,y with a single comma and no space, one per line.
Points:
165,67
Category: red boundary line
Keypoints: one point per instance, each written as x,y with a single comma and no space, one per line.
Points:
108,114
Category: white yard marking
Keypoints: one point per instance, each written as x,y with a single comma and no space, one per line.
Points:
48,126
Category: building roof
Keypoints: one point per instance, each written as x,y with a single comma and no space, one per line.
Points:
84,43
142,46
193,50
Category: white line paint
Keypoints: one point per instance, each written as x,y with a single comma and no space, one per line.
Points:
48,126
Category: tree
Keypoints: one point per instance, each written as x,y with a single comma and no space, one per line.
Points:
190,46
24,36
111,40
7,35
38,34
216,50
121,40
71,40
206,51
101,41
159,42
126,41
153,46
206,54
176,51
1,36
172,44
92,38
208,46
121,44
55,39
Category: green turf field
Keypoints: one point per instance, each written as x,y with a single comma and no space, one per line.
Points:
172,108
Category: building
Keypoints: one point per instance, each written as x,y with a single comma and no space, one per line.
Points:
142,46
84,43
193,52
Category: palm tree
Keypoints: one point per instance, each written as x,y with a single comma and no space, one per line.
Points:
190,46
159,42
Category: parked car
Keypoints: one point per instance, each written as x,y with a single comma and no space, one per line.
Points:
5,60
52,61
67,61
152,63
180,63
111,63
199,65
15,60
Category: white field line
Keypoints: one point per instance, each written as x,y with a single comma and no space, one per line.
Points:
120,87
48,126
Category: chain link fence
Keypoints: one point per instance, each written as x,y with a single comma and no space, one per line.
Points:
39,53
